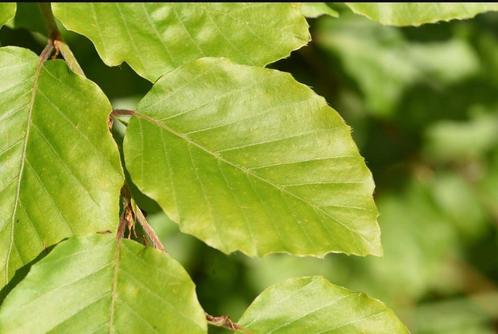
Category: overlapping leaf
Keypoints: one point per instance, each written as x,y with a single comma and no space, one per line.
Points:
60,173
7,11
415,14
155,38
316,9
246,158
94,285
314,305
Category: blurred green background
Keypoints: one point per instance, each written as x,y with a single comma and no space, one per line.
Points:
423,106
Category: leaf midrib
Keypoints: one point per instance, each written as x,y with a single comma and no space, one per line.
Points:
22,163
114,293
117,270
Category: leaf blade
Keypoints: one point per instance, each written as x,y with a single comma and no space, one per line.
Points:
155,38
406,14
7,11
314,305
124,284
243,152
53,158
317,9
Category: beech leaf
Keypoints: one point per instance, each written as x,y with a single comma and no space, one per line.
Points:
313,305
7,11
246,158
154,38
96,285
316,9
60,173
415,14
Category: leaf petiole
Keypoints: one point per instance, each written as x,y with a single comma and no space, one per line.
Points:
55,38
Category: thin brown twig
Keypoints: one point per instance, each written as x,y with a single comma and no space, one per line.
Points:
223,321
47,51
132,213
121,227
126,218
117,113
122,112
156,242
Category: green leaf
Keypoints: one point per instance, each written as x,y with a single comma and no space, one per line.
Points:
7,11
415,14
96,285
246,158
316,9
60,172
155,38
314,305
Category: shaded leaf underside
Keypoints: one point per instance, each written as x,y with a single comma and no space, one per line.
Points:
247,159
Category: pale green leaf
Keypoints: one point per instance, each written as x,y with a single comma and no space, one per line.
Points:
7,11
246,158
316,9
415,14
313,305
155,38
95,285
60,172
